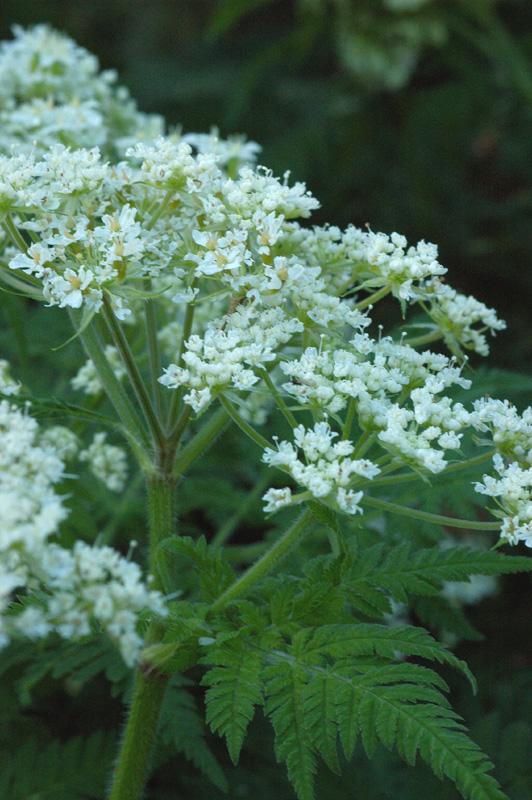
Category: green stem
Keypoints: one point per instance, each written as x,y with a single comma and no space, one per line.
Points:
266,563
133,372
351,410
178,393
133,762
226,530
278,399
112,386
427,517
414,476
160,210
200,442
153,350
418,341
364,444
242,424
14,233
373,298
161,501
175,435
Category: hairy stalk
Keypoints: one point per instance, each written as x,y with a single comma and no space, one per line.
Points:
266,563
373,298
178,393
242,424
440,519
134,758
134,374
112,386
153,350
161,495
200,442
133,761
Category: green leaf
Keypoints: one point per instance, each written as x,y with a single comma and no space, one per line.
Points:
347,641
215,574
182,727
78,768
284,686
235,689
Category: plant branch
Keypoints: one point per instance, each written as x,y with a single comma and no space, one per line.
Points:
439,519
134,374
267,562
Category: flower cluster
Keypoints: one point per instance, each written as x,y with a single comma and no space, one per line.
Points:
87,379
513,488
51,91
511,434
76,589
327,471
107,462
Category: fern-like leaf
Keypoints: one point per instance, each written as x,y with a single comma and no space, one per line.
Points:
389,704
75,770
401,573
348,641
216,575
182,727
235,690
293,743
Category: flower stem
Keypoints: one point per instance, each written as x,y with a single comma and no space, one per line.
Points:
266,563
292,421
427,338
133,372
416,476
242,424
134,757
200,442
178,393
132,766
115,391
428,517
14,233
153,349
161,501
373,298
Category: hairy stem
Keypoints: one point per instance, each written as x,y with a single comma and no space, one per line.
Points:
266,563
161,501
242,424
153,349
200,442
440,519
112,386
133,761
134,757
134,374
